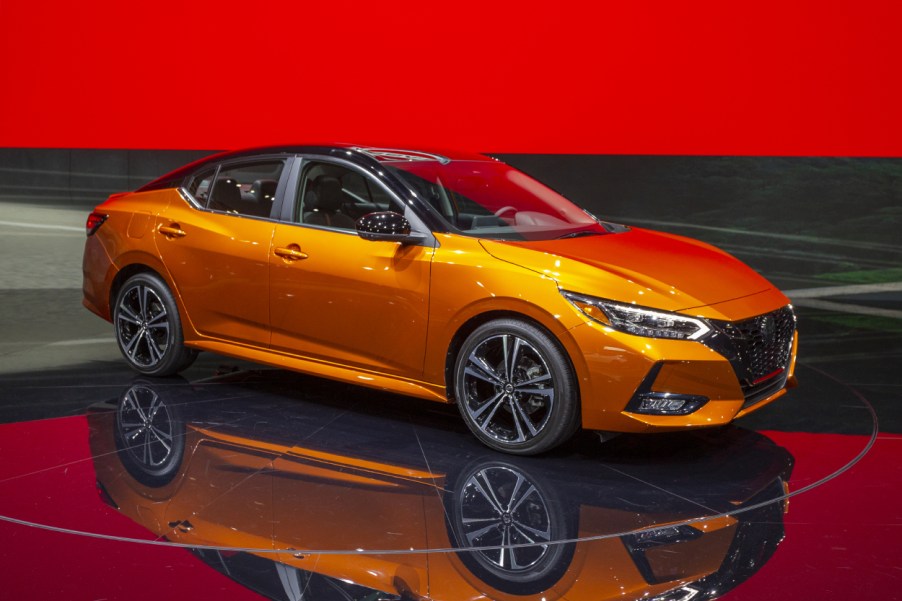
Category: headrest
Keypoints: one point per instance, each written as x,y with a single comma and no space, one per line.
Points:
264,190
328,193
227,192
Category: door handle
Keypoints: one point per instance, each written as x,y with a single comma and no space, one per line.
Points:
171,231
291,253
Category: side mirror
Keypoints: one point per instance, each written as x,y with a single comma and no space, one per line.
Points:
387,226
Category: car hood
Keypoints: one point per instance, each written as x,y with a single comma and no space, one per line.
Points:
639,266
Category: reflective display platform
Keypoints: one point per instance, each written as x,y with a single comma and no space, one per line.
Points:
273,484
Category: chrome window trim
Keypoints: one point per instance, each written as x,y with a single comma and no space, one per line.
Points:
187,197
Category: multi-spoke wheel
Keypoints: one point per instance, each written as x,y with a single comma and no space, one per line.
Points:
149,435
148,328
514,526
515,388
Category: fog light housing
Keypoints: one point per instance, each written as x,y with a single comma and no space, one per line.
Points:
666,403
649,402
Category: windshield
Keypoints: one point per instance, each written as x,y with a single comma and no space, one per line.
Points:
488,199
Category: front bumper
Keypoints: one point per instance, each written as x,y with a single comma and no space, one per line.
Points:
727,375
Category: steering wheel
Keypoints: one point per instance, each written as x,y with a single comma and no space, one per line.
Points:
504,210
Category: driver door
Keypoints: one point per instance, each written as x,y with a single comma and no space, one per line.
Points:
338,298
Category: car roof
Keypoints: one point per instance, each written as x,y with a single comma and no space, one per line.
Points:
354,152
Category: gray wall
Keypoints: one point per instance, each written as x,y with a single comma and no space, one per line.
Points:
846,199
78,177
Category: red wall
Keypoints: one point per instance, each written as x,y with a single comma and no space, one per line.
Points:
771,77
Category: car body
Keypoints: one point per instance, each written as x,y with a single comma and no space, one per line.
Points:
446,276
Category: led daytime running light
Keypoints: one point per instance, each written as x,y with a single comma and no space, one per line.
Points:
637,320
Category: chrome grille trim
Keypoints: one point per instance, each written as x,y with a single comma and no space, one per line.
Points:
759,349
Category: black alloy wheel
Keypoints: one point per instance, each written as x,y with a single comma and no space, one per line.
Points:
515,388
148,328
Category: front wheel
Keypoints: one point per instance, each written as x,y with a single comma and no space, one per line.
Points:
148,328
515,388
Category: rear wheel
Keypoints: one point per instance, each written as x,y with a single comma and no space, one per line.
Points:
515,388
148,328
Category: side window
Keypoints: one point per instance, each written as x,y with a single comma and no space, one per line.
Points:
245,189
335,196
367,195
200,184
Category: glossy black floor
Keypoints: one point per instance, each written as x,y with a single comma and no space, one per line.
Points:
259,483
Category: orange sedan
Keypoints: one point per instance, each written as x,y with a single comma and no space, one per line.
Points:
451,277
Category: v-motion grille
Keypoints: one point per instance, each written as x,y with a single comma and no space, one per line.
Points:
759,349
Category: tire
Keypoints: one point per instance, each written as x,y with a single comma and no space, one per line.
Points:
148,328
515,388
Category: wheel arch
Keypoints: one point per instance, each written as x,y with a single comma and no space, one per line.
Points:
127,272
140,263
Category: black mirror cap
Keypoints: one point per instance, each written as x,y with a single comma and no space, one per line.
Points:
387,226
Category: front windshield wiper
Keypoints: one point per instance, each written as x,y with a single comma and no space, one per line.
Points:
579,234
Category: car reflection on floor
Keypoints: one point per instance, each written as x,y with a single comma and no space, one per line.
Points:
302,496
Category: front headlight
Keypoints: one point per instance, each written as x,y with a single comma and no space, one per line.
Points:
640,321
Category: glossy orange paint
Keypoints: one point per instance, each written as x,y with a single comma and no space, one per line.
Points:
392,316
646,268
362,304
222,275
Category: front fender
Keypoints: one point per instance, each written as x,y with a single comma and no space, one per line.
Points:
469,284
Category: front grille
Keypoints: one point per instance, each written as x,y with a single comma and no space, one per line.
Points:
763,342
759,349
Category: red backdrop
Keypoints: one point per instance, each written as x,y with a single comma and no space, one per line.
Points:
809,77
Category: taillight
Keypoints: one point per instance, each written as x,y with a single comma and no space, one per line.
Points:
95,220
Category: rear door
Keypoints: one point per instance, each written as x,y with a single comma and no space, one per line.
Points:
216,247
